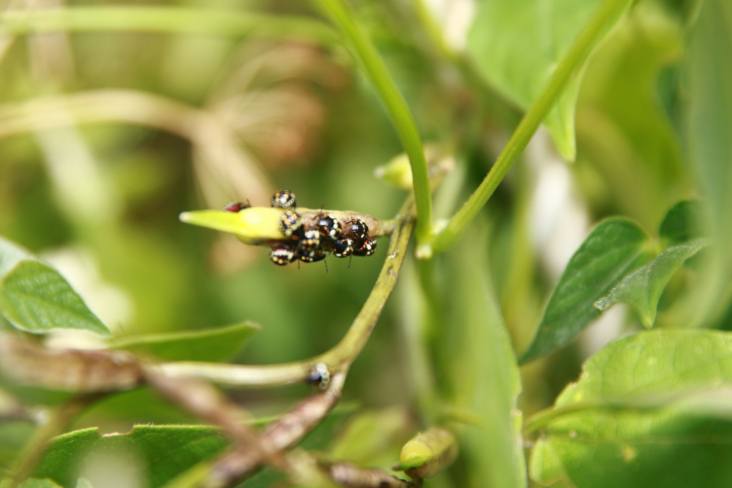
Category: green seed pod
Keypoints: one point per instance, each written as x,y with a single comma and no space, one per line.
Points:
252,225
397,172
428,453
260,225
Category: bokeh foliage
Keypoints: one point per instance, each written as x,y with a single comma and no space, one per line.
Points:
113,121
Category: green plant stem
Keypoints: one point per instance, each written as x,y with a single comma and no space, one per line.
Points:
235,23
365,52
337,358
568,66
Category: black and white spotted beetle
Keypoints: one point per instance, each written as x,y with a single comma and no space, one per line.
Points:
357,230
329,227
367,248
319,376
342,248
236,206
310,240
284,199
291,224
311,256
282,255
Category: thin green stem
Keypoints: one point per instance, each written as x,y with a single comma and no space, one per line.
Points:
233,23
609,10
340,356
365,52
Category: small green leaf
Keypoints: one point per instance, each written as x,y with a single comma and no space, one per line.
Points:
211,345
36,298
682,223
10,255
643,404
158,452
643,288
612,250
517,46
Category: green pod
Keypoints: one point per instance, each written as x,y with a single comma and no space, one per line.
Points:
396,172
252,225
428,453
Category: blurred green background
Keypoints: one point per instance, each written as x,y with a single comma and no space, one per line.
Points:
106,136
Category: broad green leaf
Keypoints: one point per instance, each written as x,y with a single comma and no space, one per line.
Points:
10,255
653,363
212,345
643,288
483,375
709,93
158,453
36,298
669,447
652,409
517,46
682,223
613,249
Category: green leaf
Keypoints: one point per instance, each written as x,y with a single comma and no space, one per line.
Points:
10,255
36,298
643,288
211,345
483,374
31,483
652,409
612,250
517,46
158,453
682,223
708,86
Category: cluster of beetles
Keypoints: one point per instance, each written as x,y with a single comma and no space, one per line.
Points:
313,243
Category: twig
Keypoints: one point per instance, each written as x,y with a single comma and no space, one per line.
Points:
68,369
279,436
337,358
207,403
351,476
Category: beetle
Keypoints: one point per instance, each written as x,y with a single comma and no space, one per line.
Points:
310,240
319,376
310,256
357,230
284,199
367,248
343,248
282,255
329,227
291,224
236,206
